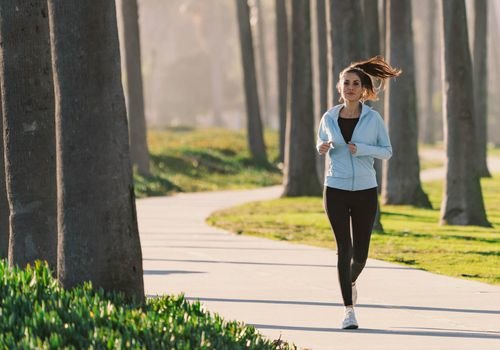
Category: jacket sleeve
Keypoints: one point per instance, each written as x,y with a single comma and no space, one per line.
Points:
383,148
322,136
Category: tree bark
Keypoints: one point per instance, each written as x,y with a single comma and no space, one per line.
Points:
402,172
480,85
254,122
261,49
322,70
430,121
346,37
98,234
282,56
372,45
322,54
301,177
29,131
4,204
462,200
134,90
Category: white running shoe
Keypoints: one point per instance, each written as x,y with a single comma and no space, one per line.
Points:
350,321
354,294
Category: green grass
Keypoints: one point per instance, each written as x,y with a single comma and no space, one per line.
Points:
190,160
37,313
411,236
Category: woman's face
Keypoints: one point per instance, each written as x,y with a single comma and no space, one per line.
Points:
350,87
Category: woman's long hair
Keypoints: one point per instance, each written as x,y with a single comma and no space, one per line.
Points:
375,68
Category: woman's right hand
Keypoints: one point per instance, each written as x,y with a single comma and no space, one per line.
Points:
325,147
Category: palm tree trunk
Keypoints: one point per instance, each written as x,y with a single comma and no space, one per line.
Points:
322,54
322,87
261,49
254,122
480,84
98,234
134,89
29,138
402,172
282,56
462,200
4,204
347,40
372,45
301,177
429,122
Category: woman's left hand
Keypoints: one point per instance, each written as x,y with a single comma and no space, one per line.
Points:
352,148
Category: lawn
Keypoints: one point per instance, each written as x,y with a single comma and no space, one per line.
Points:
411,236
192,160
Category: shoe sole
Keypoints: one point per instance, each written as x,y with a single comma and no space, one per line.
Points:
354,326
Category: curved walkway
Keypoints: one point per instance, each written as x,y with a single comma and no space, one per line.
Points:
291,291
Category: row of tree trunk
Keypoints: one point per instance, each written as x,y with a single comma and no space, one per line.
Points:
67,161
401,175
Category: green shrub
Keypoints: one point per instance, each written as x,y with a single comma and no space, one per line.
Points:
36,313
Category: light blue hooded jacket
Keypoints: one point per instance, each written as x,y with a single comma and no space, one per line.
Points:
354,172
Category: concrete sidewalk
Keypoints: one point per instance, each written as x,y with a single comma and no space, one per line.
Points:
291,290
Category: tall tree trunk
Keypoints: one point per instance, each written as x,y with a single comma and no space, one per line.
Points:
134,90
494,108
4,204
347,41
98,234
29,131
372,46
480,85
462,200
430,121
282,56
402,172
254,122
322,54
322,57
301,177
261,49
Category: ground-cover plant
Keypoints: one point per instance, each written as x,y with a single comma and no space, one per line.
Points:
189,160
36,313
411,236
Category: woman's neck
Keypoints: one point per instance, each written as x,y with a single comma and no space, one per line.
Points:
351,109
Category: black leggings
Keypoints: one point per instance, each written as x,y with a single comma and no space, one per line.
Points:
342,208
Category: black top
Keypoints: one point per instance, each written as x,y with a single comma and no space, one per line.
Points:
347,126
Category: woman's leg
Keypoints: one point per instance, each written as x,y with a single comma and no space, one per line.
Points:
363,211
337,210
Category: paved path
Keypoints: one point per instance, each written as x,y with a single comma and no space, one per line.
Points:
291,290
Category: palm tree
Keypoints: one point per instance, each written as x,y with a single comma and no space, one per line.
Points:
133,86
480,84
282,56
29,139
254,122
402,172
373,48
301,177
347,40
98,234
462,200
263,66
429,122
4,204
321,29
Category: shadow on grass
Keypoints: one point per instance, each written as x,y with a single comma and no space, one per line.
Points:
484,253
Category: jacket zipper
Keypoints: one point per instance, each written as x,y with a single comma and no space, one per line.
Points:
353,175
